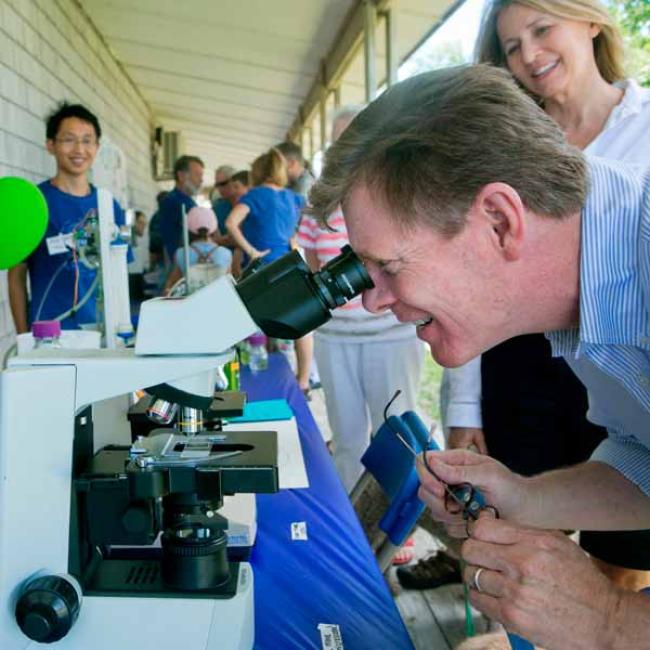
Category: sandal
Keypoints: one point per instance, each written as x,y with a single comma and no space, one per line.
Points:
435,571
405,554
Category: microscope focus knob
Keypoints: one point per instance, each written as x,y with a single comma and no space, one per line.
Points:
47,608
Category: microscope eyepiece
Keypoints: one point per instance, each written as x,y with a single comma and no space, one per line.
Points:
288,301
342,278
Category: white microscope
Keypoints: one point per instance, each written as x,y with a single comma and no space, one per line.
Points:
79,517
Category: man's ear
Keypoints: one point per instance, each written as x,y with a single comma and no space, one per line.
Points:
49,145
504,213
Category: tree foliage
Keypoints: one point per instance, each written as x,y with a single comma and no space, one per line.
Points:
633,16
441,55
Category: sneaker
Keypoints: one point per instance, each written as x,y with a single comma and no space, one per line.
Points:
435,571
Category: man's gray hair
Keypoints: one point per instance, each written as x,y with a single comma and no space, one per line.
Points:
429,144
342,117
226,170
347,112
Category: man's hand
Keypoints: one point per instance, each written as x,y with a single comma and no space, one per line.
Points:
542,586
501,488
466,437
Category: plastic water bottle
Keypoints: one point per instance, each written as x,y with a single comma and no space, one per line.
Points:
243,349
47,334
287,349
258,357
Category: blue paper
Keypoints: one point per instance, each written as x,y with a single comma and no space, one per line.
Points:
266,410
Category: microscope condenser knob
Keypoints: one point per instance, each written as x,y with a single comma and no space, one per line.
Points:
47,608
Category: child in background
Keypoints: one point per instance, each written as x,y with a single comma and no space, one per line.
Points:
208,261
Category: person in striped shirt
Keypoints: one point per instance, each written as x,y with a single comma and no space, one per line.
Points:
477,221
362,358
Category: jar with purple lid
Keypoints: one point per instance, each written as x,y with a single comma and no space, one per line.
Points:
47,334
258,357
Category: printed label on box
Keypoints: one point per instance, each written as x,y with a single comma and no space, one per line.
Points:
330,636
299,531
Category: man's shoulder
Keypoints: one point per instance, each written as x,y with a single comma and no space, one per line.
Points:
221,207
52,192
613,252
170,199
175,199
58,199
299,199
617,205
49,192
607,176
303,183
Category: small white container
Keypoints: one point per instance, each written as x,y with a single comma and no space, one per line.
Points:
69,339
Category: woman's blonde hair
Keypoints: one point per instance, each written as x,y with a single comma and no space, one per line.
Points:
270,167
608,44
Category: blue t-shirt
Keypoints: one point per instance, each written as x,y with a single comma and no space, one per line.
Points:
171,219
65,213
222,209
272,220
219,255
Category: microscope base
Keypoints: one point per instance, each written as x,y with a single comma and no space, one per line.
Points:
166,622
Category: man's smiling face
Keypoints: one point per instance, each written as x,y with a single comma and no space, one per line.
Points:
75,146
444,285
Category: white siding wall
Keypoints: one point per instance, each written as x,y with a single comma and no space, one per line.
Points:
50,52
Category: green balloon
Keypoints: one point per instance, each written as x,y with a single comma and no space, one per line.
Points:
23,220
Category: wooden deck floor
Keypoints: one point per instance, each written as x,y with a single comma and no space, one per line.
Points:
435,618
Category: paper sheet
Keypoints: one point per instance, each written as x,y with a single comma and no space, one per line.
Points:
292,472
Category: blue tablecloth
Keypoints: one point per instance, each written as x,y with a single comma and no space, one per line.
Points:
332,577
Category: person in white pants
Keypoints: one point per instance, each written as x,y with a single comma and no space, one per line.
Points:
362,358
359,378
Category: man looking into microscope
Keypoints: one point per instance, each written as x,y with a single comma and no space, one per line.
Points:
478,222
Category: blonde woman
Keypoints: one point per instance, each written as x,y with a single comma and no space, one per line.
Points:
264,223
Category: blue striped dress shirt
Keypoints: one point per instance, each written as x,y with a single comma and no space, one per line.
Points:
610,352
